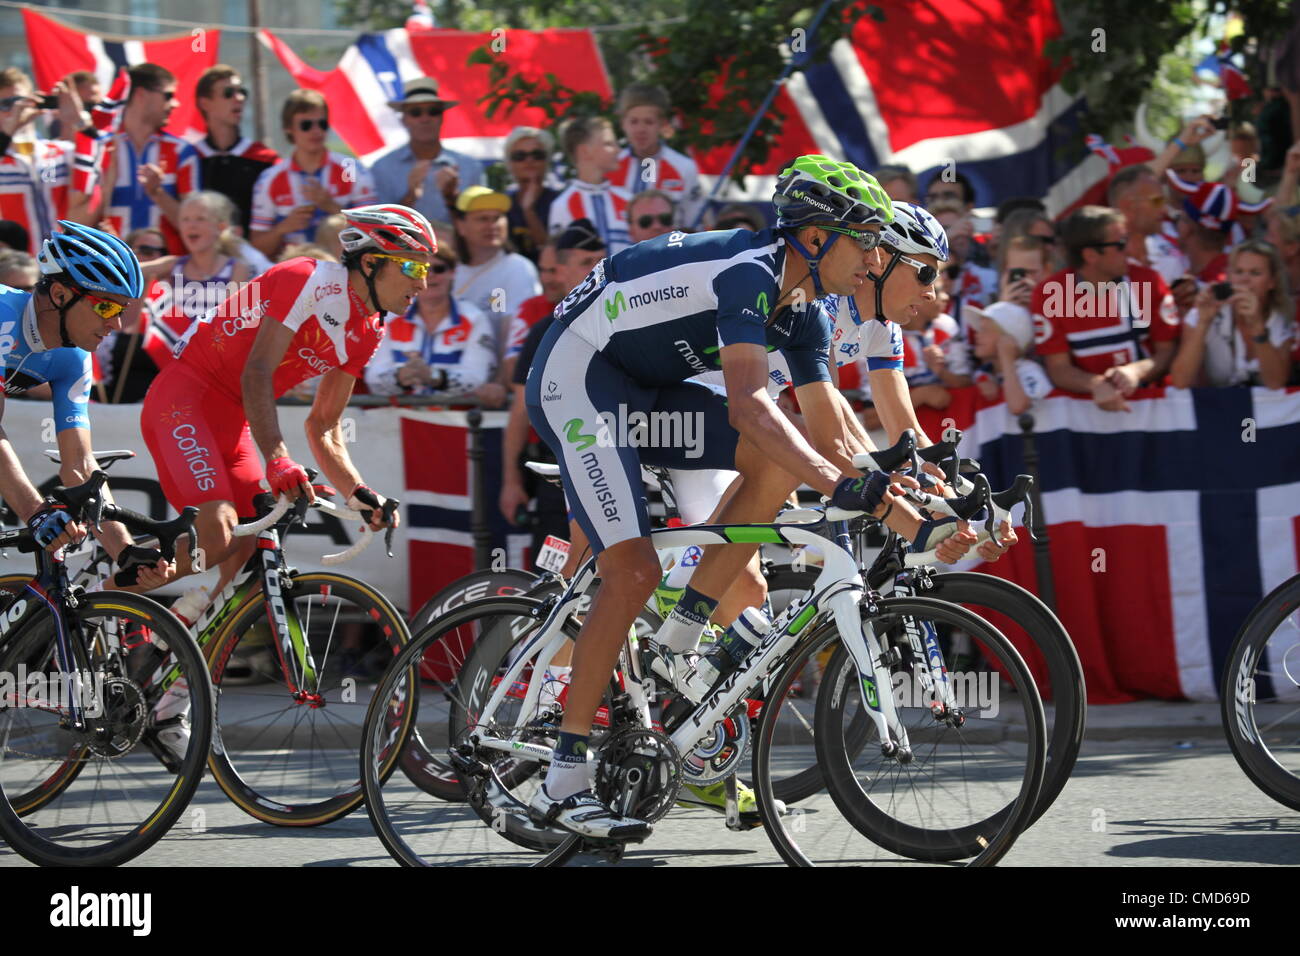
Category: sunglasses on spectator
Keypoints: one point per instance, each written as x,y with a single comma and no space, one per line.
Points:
866,240
104,308
1118,244
410,268
305,125
230,92
1050,240
167,95
441,267
924,274
151,252
419,112
734,224
932,197
519,155
664,219
9,102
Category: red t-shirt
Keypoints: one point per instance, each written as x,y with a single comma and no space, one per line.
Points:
1102,328
332,328
1216,270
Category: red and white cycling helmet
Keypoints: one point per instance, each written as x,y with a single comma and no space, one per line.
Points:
387,228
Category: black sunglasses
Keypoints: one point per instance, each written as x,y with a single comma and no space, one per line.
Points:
305,125
167,95
439,267
1049,240
419,112
664,219
152,252
1118,244
230,92
519,155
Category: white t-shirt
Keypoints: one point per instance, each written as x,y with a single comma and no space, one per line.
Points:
498,288
1225,360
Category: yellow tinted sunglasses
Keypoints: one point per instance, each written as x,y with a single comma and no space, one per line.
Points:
104,308
410,268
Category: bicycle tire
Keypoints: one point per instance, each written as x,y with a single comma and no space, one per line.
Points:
253,793
982,843
28,835
1239,695
473,684
1050,639
508,582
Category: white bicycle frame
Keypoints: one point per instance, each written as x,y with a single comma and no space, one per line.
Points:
839,588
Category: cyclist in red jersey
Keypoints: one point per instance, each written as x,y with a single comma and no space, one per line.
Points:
208,414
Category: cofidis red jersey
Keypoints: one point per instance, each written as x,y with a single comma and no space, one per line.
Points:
332,327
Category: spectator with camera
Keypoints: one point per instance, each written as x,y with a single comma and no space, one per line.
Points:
1104,326
528,154
34,172
1004,331
292,197
647,162
422,173
1241,331
589,143
649,214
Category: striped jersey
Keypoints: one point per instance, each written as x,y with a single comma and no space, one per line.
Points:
280,188
34,187
663,309
128,206
1102,328
463,345
673,172
604,204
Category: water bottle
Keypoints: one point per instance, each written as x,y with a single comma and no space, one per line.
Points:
731,649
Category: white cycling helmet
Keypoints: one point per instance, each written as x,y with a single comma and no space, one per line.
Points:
914,231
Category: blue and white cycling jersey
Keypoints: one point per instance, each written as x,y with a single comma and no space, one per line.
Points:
662,309
28,363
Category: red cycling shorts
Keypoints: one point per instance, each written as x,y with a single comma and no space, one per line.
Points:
200,442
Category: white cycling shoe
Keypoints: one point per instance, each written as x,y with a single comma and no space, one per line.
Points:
584,814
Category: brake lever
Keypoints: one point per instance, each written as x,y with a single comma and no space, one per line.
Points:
390,507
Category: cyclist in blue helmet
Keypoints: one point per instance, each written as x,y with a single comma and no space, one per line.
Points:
88,280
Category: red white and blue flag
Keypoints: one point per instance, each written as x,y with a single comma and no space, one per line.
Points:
59,49
371,72
1167,525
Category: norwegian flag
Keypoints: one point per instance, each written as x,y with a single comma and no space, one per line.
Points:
1231,78
436,449
106,118
371,72
59,49
1167,525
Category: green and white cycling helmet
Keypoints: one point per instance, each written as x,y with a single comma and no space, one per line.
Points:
817,190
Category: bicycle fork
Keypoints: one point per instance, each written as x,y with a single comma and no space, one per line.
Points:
859,636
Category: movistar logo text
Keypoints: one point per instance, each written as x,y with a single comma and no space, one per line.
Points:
574,436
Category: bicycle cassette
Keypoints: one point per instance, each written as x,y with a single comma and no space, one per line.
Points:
721,753
639,773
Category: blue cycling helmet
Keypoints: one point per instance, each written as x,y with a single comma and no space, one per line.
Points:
915,231
92,260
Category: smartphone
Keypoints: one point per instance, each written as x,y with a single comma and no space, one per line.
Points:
50,101
1222,290
1015,275
1221,122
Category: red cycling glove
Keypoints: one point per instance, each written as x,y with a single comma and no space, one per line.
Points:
283,474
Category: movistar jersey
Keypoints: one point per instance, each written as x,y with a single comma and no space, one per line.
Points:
662,309
28,363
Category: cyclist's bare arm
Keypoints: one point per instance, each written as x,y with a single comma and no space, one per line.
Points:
820,404
325,431
15,487
752,413
258,390
893,401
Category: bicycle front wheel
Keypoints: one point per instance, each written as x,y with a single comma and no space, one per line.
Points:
966,789
289,719
128,772
1261,695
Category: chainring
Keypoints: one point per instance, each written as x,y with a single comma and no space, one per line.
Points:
721,753
639,773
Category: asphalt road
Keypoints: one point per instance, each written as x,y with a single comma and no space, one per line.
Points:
1143,803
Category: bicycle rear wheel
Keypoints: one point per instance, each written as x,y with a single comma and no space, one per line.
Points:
124,780
286,741
969,787
1261,695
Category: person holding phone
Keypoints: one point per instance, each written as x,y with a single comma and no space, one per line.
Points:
1240,332
34,173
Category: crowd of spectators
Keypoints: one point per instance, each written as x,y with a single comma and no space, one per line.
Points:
1176,280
